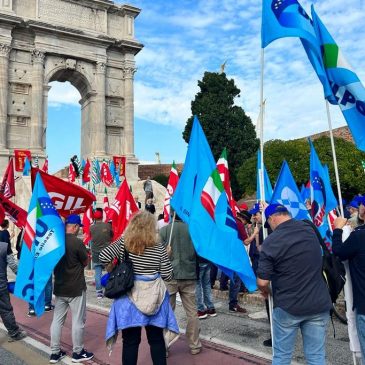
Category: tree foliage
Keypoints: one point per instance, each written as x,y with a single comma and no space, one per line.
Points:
296,153
224,124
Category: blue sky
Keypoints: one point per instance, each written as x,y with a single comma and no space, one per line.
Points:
183,39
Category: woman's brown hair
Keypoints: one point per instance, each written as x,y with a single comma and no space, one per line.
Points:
140,233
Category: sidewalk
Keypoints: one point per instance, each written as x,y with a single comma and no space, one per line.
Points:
38,328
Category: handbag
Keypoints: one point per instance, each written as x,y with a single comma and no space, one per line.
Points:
121,279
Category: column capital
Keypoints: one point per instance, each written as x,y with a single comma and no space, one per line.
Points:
4,50
38,56
129,71
100,67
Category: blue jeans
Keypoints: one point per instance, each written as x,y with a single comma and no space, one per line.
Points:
47,294
360,325
98,271
234,289
203,291
285,328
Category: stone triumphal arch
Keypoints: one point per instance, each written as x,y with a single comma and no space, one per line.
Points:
90,43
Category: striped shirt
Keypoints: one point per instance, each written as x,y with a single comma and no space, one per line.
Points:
154,260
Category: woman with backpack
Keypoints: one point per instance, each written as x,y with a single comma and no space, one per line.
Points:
147,304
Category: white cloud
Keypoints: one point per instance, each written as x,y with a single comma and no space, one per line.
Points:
63,93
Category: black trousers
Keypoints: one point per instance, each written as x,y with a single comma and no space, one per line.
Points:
132,338
7,314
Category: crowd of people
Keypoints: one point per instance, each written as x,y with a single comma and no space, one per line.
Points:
287,264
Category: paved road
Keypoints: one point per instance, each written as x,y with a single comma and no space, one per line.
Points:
229,338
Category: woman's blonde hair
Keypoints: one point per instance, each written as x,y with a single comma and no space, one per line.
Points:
140,233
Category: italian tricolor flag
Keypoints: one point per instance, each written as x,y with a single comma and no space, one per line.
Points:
211,192
333,57
171,186
222,167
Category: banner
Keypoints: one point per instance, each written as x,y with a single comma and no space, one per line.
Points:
67,198
119,162
15,214
7,187
20,156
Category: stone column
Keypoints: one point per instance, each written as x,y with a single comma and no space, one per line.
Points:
4,86
129,72
36,125
99,131
46,89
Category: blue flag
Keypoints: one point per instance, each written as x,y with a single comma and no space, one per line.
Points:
27,167
213,231
114,173
267,183
347,88
305,192
287,18
322,198
43,246
287,193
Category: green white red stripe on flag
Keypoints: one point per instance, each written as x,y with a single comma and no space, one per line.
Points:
211,192
171,186
222,167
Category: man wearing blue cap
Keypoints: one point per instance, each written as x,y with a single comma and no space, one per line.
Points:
291,259
70,292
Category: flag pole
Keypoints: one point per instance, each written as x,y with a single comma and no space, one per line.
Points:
172,228
261,178
334,158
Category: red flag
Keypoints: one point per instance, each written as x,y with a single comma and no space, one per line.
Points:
2,214
16,214
121,210
171,186
45,166
87,221
222,167
86,172
7,187
67,198
71,173
20,156
105,206
105,174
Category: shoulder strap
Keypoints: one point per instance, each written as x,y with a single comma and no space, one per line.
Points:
315,229
126,254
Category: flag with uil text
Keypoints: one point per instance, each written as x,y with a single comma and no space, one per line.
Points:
287,18
346,86
43,246
211,224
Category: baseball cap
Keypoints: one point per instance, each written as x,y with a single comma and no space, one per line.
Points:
74,219
243,206
273,209
354,204
255,209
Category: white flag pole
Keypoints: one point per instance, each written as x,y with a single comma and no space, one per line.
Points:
261,178
334,158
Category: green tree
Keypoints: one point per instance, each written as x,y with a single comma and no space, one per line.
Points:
224,124
296,153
